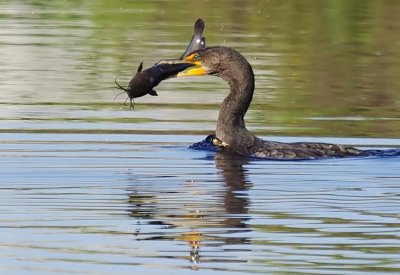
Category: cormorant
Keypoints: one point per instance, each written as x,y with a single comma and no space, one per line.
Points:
231,133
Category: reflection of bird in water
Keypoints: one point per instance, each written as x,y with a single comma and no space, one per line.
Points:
223,212
236,200
231,132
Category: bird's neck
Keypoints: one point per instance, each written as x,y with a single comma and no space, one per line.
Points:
234,107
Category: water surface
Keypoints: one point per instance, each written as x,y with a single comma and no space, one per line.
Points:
91,187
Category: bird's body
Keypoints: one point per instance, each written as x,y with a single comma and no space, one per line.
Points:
231,132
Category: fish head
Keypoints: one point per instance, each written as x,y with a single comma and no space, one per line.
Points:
140,84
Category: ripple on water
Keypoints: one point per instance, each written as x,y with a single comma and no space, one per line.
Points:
88,186
146,203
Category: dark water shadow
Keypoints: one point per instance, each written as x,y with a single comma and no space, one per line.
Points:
387,153
236,200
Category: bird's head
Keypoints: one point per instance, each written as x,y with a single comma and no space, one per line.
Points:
220,61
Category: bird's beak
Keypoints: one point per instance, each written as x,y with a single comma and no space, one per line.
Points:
197,67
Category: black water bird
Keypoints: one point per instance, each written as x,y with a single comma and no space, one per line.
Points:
231,133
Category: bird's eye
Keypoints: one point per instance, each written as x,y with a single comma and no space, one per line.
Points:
196,57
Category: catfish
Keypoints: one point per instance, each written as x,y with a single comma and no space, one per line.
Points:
198,42
143,82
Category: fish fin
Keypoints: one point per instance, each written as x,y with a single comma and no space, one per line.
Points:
199,27
197,42
153,93
140,67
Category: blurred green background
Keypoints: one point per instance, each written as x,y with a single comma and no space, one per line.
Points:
323,68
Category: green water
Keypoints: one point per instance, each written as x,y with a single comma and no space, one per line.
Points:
326,68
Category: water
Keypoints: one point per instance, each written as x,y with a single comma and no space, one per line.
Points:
91,187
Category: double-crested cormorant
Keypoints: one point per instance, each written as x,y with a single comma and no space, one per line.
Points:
231,133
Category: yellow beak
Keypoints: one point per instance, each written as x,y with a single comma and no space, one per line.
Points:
196,69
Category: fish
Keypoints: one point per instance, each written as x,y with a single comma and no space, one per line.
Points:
198,41
143,82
